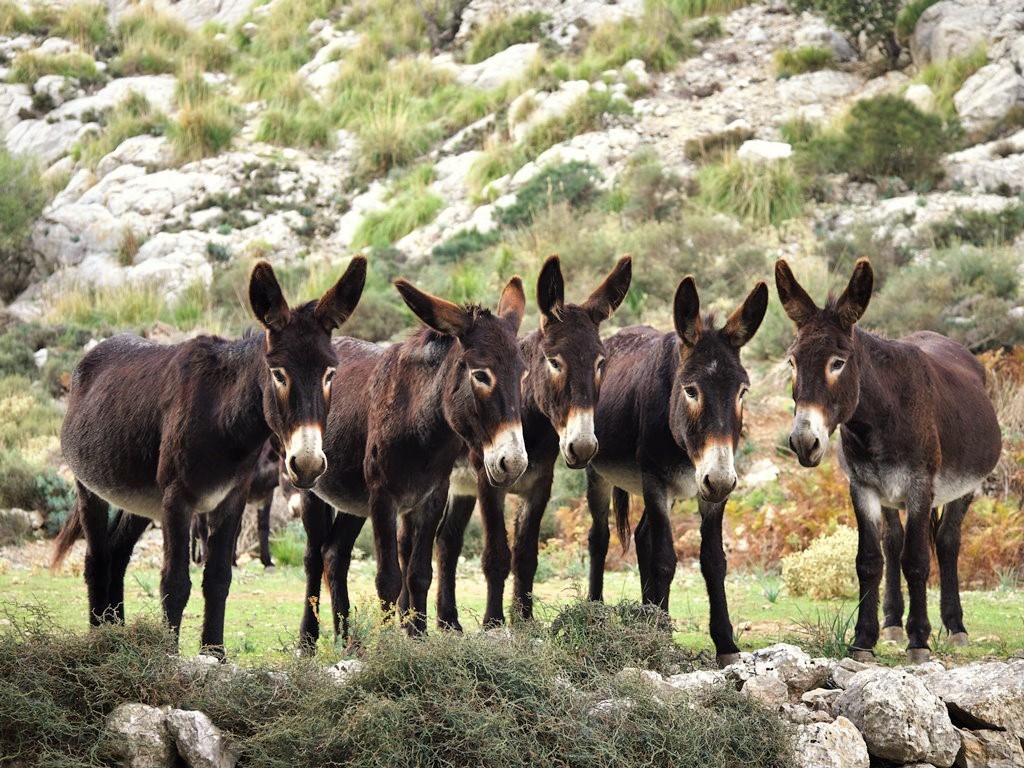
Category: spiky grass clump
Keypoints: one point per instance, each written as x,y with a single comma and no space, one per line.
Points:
498,34
409,211
207,122
810,58
946,77
761,193
132,117
30,66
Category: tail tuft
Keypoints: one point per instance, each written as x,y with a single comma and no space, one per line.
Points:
69,533
620,505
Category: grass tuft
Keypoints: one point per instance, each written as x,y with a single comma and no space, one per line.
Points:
498,34
946,77
30,66
761,193
800,60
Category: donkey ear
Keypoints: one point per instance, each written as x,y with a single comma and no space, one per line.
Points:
744,322
799,306
686,311
610,293
512,304
443,316
550,290
855,298
335,306
266,299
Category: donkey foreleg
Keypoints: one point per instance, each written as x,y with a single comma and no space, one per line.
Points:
450,536
420,528
713,568
496,558
867,508
599,494
337,553
892,602
124,534
526,544
92,511
223,523
916,563
316,519
947,549
384,517
175,583
661,551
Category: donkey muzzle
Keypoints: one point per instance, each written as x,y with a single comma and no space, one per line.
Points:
809,439
716,472
304,459
578,442
505,457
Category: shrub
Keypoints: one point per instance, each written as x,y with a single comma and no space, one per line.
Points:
875,18
826,569
84,24
946,77
906,21
761,193
203,128
575,183
807,59
644,191
132,117
713,146
707,28
30,66
410,211
980,227
462,244
22,198
499,34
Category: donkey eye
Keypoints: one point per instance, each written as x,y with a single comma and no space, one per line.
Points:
791,361
837,365
328,377
743,393
279,376
691,392
482,377
600,364
555,363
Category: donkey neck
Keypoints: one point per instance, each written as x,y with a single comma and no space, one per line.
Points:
880,362
432,367
240,369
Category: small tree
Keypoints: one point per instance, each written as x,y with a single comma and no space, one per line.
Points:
875,18
22,198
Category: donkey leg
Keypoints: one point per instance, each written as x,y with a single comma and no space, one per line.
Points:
93,511
868,510
407,532
237,536
224,524
263,528
422,525
337,560
124,534
662,552
496,558
916,563
450,536
175,583
644,556
526,544
316,519
384,516
947,549
599,492
892,603
713,567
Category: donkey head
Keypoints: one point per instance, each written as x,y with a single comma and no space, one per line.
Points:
826,376
706,409
482,392
301,363
566,375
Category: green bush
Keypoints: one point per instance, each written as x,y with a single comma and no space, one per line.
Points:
875,18
409,211
288,547
826,569
575,183
906,21
30,66
462,244
761,193
980,227
203,128
800,60
22,198
889,136
499,34
644,191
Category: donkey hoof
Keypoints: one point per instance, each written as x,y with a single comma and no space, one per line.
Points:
725,659
863,655
959,640
918,655
894,634
269,569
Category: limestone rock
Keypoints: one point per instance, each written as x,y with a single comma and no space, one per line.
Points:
983,695
831,745
158,89
921,96
533,108
199,741
819,35
701,680
785,662
899,718
344,669
47,140
955,28
150,152
820,87
989,94
996,166
990,749
500,68
767,689
139,734
760,151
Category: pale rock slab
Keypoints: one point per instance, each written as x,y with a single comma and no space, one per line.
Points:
819,87
831,745
761,151
990,749
158,90
47,140
983,695
139,733
989,94
501,68
199,741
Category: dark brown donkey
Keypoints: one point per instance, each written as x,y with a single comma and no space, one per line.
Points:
400,417
669,421
565,360
917,431
167,432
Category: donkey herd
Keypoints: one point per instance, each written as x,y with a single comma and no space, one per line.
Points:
417,434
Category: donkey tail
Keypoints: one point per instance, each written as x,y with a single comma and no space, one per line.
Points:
69,533
620,505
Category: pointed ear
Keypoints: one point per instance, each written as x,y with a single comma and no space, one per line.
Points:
512,304
550,290
266,299
335,306
606,299
686,311
855,298
798,305
443,316
744,322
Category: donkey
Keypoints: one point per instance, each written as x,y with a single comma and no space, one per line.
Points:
917,430
669,421
265,479
168,432
400,417
565,361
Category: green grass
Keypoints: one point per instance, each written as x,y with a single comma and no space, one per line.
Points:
499,34
203,128
133,307
946,77
30,66
760,193
133,117
800,60
908,16
409,211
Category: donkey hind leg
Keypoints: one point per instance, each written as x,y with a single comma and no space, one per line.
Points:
868,509
93,511
263,529
450,535
496,558
316,519
526,543
175,583
659,548
223,522
125,532
337,558
947,549
599,493
384,516
713,568
892,603
420,526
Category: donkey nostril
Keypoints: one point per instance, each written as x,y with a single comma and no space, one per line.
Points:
707,481
733,484
293,465
503,464
814,447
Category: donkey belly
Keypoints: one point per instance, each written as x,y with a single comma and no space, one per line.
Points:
144,501
952,486
679,483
